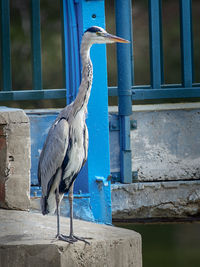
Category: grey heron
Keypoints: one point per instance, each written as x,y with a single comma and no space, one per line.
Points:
66,147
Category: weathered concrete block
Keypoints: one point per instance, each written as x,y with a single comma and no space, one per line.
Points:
161,200
14,159
166,144
28,240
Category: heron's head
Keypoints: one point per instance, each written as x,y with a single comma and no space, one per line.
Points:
97,35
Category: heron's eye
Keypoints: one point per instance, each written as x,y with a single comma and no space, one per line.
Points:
98,33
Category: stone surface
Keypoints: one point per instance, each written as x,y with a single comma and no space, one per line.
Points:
28,239
166,143
14,159
161,200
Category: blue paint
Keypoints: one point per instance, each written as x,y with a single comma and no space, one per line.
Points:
71,45
155,42
65,50
170,93
98,154
125,79
186,42
142,92
124,60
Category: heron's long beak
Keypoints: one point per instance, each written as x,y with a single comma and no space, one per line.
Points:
115,38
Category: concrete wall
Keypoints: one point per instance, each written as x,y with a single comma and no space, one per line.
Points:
166,155
14,159
28,240
156,201
166,144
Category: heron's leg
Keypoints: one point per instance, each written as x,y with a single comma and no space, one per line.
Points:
60,236
58,212
71,198
72,238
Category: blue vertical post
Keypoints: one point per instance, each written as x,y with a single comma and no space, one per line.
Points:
6,83
161,43
186,42
155,34
98,125
36,45
124,64
97,169
71,47
66,51
75,47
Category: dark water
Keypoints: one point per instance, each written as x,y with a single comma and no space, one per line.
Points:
169,245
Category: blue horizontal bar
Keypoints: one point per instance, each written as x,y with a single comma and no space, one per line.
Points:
36,191
144,94
33,94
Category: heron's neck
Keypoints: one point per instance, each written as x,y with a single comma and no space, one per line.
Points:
83,95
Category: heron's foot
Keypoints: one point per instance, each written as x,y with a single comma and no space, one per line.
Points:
64,238
72,239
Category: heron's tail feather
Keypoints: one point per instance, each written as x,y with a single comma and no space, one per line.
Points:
44,205
48,204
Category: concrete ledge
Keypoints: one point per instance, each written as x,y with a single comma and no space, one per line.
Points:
14,159
27,239
157,200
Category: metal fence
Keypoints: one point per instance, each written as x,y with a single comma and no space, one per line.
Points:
158,89
38,92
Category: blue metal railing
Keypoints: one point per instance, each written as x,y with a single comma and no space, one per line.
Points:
158,89
6,93
71,33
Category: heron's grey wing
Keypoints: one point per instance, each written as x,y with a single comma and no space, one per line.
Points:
53,153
